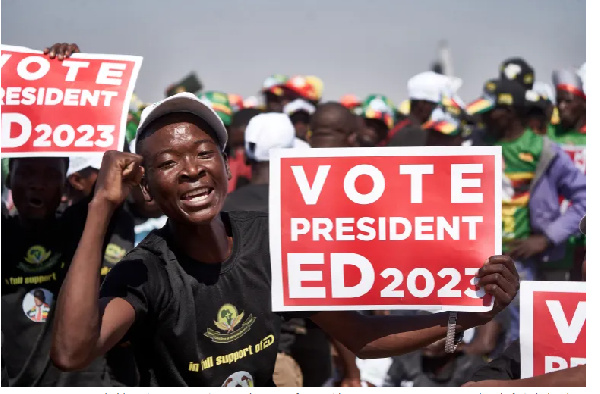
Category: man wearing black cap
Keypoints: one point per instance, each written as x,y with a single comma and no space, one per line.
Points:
534,230
194,298
518,70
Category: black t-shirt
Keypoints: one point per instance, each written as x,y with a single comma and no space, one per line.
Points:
34,265
256,198
199,324
121,239
414,370
411,135
248,198
506,367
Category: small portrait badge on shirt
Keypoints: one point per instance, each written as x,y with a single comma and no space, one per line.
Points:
239,379
36,304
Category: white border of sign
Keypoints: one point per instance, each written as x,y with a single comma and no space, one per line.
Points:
526,312
137,64
275,156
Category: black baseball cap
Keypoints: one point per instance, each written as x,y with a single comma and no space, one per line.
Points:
499,92
517,69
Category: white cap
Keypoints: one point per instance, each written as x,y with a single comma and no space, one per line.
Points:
78,163
270,131
581,73
429,86
184,102
298,105
251,102
375,370
544,90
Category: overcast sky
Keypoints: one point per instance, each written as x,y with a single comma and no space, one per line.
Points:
358,47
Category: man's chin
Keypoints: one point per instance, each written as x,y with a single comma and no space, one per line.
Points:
203,216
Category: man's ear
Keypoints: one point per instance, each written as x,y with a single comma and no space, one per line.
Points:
227,169
145,189
76,181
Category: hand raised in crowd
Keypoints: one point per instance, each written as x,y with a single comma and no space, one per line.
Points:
528,247
61,50
120,172
499,278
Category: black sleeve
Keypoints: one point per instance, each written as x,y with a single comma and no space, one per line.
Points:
135,280
506,367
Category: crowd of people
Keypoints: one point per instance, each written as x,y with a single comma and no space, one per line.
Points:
151,266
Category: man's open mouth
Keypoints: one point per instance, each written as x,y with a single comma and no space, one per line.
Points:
36,202
197,196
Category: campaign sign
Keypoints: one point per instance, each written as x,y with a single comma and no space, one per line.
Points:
77,106
553,326
383,228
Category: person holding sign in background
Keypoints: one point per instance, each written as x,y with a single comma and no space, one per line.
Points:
536,172
37,248
194,298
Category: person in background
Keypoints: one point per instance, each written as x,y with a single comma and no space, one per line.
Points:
569,134
37,248
219,102
317,88
540,111
489,340
300,111
425,92
333,126
81,180
236,101
264,132
241,171
302,87
350,101
81,176
272,92
444,128
378,114
540,115
536,171
431,366
518,70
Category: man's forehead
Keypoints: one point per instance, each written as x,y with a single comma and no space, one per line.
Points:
179,126
170,120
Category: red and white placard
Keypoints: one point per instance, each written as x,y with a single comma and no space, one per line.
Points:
383,228
77,106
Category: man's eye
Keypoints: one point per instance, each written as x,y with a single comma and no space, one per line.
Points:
166,164
205,154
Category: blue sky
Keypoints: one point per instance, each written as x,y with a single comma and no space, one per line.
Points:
358,47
